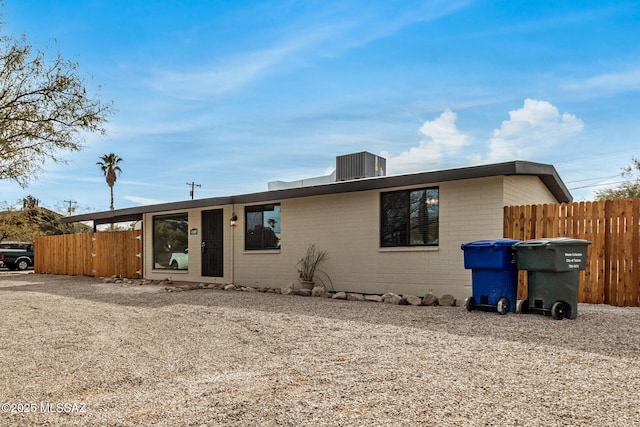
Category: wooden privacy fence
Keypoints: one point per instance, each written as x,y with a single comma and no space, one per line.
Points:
612,275
90,254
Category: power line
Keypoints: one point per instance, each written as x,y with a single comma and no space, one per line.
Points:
592,179
597,185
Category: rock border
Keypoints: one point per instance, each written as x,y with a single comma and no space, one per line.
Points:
290,289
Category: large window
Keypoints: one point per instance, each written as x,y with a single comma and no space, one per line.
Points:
409,218
263,227
170,241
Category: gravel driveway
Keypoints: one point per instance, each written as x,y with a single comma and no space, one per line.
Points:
77,351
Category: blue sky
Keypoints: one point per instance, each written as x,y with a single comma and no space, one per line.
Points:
231,95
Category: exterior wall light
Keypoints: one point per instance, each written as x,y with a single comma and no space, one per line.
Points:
234,220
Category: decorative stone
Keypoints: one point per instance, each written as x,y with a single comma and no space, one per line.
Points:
413,300
447,300
430,299
373,298
230,288
287,289
355,297
339,295
302,292
318,291
391,298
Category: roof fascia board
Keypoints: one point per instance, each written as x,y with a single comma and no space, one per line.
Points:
547,174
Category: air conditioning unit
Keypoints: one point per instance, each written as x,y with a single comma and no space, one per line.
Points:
359,165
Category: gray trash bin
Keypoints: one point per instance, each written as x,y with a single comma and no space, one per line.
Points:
553,272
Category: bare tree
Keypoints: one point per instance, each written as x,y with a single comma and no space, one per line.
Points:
44,109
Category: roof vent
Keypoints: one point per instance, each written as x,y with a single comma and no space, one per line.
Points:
359,165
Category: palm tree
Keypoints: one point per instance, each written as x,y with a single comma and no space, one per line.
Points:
109,166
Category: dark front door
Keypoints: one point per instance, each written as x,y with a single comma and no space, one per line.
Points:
212,247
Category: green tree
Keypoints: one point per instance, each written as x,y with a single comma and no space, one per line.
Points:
15,225
109,167
629,188
44,109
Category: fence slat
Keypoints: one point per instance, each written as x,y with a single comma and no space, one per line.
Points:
587,293
625,251
634,282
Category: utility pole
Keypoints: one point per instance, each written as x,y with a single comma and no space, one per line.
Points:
71,208
193,185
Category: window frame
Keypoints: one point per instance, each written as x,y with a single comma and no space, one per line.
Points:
261,242
403,217
183,217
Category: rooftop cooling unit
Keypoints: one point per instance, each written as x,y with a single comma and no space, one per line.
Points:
359,165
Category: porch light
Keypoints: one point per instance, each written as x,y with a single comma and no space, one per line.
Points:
234,220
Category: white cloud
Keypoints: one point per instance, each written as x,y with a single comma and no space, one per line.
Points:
233,73
531,130
304,43
143,201
442,139
607,84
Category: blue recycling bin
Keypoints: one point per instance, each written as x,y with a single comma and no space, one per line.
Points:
494,276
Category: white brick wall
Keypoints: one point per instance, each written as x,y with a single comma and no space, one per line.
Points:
526,190
348,226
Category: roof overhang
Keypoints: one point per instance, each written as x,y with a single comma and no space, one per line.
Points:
547,174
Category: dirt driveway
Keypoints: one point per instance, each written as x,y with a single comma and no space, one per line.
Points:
76,351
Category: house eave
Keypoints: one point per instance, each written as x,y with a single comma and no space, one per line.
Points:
547,174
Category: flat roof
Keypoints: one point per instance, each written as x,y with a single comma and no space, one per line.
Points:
547,174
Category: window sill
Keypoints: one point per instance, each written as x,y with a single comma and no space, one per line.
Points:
261,251
410,249
169,270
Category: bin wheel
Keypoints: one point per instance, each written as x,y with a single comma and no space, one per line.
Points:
503,306
558,310
522,306
468,303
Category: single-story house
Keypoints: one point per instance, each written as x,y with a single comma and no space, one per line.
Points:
398,234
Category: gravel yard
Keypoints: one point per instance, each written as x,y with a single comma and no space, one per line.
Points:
77,351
